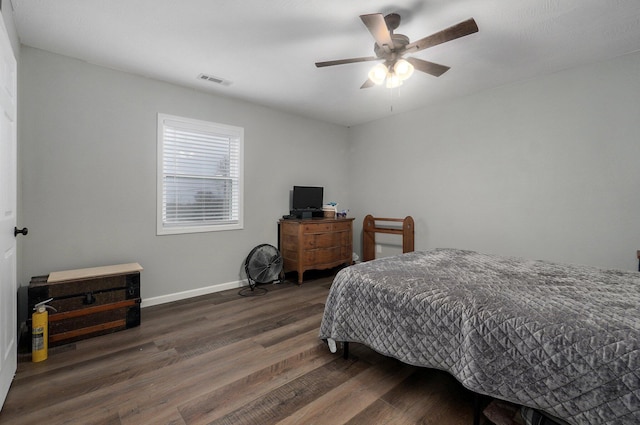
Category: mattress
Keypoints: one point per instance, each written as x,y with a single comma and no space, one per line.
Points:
561,338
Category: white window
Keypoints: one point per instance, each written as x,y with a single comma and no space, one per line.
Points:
199,176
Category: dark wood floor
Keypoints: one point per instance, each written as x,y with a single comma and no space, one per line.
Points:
227,359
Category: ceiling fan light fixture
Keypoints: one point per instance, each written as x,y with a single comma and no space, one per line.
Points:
403,69
378,73
393,80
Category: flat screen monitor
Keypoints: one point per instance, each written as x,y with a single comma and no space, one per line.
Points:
307,198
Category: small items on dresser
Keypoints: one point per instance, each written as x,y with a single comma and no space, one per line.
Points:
329,211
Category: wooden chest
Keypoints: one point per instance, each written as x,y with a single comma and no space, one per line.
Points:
315,243
89,302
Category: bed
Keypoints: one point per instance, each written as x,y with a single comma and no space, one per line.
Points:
560,338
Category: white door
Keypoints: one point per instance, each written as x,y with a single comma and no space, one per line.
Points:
8,175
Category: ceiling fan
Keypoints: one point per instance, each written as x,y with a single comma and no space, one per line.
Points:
391,48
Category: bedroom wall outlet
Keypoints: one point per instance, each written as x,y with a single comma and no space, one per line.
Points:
378,248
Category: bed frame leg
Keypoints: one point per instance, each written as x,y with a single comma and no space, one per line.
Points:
476,409
345,350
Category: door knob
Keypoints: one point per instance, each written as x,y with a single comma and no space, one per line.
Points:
24,231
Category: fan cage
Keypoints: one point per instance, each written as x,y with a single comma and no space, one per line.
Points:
263,265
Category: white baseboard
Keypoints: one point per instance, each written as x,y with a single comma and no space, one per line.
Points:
177,296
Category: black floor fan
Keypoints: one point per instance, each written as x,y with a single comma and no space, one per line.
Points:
263,265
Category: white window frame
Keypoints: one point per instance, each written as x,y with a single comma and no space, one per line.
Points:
236,135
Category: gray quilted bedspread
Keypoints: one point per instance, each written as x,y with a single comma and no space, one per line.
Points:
561,338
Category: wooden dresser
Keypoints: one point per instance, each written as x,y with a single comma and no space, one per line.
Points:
315,243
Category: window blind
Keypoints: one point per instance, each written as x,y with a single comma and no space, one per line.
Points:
200,174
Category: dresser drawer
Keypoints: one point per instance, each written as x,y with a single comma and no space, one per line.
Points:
289,229
316,227
322,240
322,256
341,226
289,240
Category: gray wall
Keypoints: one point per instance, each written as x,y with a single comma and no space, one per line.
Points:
543,169
88,172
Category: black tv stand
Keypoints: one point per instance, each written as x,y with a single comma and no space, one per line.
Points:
307,213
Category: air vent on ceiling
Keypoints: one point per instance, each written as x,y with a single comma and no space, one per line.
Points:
214,79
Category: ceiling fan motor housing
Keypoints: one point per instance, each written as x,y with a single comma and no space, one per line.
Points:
385,52
393,21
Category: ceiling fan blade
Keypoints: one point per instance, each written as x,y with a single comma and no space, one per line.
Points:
344,61
367,84
377,26
456,31
432,68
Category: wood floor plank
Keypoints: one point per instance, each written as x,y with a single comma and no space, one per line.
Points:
427,397
286,399
194,344
283,333
167,415
157,386
45,389
231,365
351,397
380,412
223,400
219,322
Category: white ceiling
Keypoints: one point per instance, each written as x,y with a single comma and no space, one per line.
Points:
268,48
